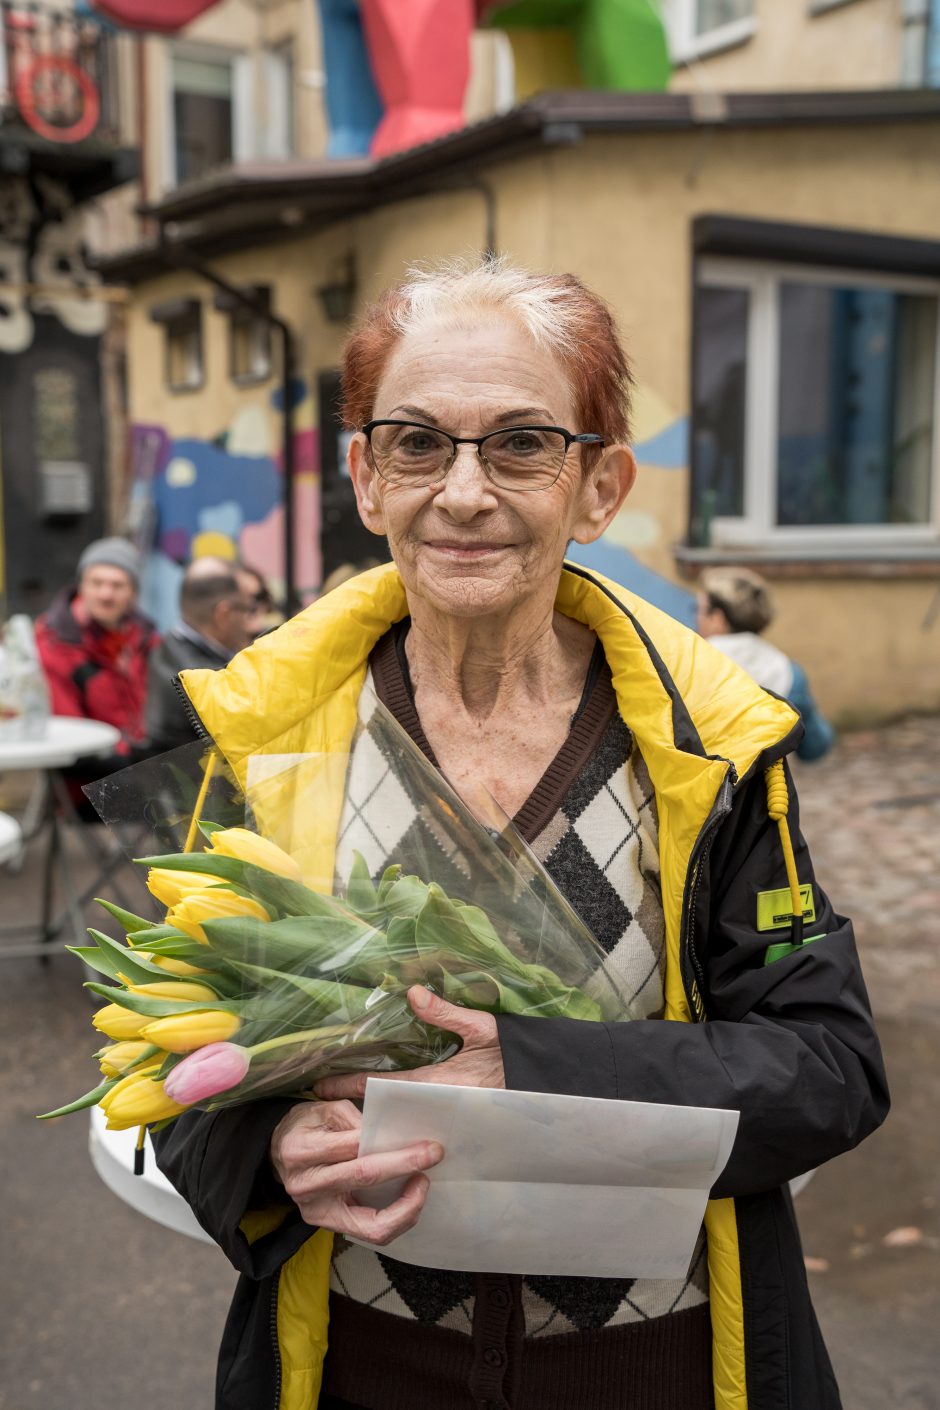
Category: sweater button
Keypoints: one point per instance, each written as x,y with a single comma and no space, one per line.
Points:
493,1357
499,1297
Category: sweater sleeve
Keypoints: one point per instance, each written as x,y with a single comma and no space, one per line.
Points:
789,1041
218,1161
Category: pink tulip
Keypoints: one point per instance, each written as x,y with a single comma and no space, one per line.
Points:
215,1068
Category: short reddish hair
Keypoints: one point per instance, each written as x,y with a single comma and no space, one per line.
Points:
557,310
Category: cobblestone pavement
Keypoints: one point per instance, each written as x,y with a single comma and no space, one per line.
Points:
98,1306
870,1222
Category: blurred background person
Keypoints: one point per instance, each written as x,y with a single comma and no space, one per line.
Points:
218,609
344,572
265,614
734,607
94,645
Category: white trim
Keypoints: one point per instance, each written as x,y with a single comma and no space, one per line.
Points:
241,125
756,526
686,44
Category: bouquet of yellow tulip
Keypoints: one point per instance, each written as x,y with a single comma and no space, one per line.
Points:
257,984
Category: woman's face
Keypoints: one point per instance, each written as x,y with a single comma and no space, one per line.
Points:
464,545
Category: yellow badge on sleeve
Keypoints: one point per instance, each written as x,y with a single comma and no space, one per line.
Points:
774,908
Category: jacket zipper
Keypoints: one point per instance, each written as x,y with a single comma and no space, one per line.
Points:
275,1346
695,985
191,715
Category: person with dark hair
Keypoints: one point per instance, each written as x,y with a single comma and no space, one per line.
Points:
216,606
94,645
734,608
265,615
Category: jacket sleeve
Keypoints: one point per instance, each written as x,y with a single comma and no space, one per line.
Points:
789,1041
58,663
218,1161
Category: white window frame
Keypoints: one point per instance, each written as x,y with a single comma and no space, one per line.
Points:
686,45
756,526
242,100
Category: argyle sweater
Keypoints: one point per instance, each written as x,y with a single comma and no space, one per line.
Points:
405,1338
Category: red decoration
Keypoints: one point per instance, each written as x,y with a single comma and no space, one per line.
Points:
419,51
157,16
47,73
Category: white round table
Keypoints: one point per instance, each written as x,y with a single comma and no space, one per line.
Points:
64,741
112,1154
11,838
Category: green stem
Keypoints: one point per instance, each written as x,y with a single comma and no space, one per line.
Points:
286,1039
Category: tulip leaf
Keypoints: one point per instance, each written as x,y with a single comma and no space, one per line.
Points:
89,1099
361,895
208,828
95,959
212,863
158,1008
127,919
125,962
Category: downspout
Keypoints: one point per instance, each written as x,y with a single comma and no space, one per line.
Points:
178,254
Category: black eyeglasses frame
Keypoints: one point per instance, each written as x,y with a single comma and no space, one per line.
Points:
582,438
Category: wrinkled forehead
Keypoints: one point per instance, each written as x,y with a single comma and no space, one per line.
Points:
466,374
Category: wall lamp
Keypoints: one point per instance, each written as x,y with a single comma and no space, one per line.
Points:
338,297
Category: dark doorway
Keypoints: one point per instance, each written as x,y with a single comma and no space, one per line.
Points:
52,458
343,536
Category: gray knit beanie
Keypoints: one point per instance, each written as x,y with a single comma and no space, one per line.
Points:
116,553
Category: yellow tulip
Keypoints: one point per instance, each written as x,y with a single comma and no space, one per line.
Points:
120,1056
249,847
184,1032
137,1100
216,904
183,990
171,965
118,1023
170,887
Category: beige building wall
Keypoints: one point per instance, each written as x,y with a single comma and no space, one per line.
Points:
618,211
797,44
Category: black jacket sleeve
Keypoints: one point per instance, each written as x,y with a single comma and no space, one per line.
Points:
218,1161
790,1044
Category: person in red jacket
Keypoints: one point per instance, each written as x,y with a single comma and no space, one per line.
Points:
94,646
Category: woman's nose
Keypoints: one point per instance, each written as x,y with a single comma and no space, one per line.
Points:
466,489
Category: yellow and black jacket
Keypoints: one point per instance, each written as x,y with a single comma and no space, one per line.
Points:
780,1031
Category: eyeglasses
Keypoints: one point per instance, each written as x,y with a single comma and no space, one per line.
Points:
516,458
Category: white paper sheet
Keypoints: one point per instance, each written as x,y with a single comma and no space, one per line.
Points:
535,1183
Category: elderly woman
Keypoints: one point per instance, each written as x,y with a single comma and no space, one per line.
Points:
489,407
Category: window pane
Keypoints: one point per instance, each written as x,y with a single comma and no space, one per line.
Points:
712,14
855,416
720,384
202,115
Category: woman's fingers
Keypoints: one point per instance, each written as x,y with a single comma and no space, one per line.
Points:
469,1024
380,1226
363,1172
303,1149
298,1136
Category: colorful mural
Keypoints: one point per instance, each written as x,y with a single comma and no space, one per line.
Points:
224,497
660,444
397,70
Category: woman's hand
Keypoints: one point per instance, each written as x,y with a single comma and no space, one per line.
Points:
478,1064
315,1152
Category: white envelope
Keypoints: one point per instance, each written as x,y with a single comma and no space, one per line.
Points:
536,1183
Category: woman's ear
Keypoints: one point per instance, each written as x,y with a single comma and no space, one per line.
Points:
603,492
364,482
